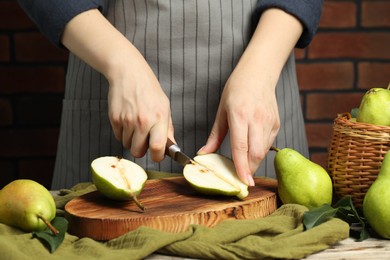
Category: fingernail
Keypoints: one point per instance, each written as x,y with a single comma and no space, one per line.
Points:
200,150
250,180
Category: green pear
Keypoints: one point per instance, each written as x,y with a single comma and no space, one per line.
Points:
376,203
215,174
27,205
375,107
301,181
118,178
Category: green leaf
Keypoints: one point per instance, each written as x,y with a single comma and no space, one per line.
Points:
50,240
344,202
346,215
364,234
318,215
361,233
354,112
345,210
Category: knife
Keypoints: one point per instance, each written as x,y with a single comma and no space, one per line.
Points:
174,151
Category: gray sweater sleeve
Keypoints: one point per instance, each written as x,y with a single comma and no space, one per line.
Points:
51,16
307,11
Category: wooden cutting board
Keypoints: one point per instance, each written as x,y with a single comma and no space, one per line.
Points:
171,205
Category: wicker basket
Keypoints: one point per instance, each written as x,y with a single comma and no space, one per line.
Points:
355,155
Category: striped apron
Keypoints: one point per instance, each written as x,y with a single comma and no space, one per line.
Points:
192,46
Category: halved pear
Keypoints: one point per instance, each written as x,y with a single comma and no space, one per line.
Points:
118,178
215,174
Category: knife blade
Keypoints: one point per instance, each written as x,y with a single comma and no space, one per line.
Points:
174,151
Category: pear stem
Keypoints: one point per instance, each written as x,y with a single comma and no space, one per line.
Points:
126,181
388,87
139,204
49,225
273,148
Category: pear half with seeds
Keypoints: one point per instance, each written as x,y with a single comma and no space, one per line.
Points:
215,174
118,178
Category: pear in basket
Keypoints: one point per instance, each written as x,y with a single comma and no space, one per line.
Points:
301,181
375,107
376,203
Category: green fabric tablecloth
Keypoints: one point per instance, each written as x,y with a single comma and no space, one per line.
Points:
279,235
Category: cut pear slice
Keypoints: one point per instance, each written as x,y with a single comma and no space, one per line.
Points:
118,178
215,175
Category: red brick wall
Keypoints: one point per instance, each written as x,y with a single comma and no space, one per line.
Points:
350,54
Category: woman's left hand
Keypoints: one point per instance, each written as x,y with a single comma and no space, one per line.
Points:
248,106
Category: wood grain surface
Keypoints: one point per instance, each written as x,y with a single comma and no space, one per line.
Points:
171,205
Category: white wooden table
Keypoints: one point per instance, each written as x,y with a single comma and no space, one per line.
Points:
347,249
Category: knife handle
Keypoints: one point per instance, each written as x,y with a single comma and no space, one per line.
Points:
171,148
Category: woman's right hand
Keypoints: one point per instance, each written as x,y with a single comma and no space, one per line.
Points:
139,110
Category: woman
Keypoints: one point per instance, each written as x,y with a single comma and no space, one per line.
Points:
216,76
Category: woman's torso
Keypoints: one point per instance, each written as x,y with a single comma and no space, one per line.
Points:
192,47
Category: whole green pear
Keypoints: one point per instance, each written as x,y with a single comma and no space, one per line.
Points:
27,205
301,181
376,203
375,107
